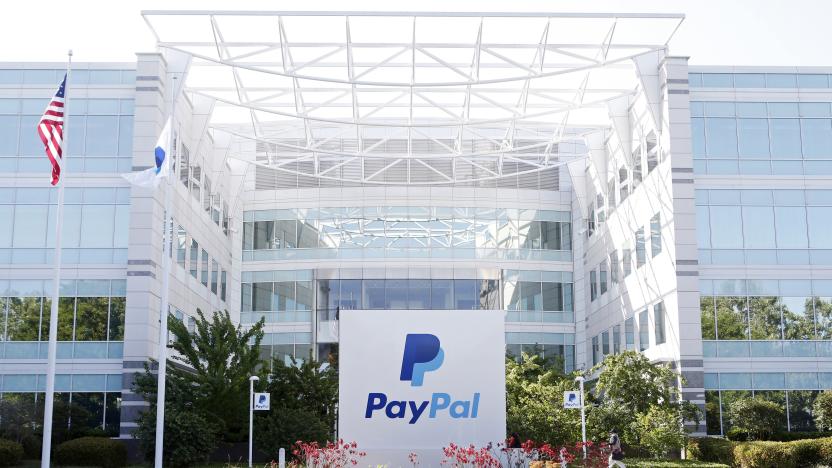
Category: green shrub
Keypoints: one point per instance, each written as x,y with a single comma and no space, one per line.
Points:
790,436
822,410
10,452
759,418
653,463
92,451
711,449
764,455
737,435
805,452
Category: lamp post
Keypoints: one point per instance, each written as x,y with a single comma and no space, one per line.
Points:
580,380
251,381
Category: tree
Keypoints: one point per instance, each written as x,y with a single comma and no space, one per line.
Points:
822,409
758,417
304,397
534,401
220,357
206,389
661,430
631,379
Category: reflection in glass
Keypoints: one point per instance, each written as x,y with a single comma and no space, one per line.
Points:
732,318
765,318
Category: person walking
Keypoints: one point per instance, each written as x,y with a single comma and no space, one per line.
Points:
616,453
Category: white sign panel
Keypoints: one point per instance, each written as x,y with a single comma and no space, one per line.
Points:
262,401
572,400
417,380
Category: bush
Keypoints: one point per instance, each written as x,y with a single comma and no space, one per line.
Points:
790,436
764,455
738,435
10,452
189,437
92,451
711,449
653,463
661,431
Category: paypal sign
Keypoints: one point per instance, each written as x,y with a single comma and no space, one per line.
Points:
417,380
422,353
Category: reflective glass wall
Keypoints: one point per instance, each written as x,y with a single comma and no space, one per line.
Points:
407,232
759,138
768,227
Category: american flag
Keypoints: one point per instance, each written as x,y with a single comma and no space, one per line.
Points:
51,131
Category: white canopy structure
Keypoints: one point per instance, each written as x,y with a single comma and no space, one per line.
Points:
410,98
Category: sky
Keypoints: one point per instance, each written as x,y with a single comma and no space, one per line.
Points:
715,32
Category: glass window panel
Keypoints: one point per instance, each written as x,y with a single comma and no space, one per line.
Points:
817,138
753,138
643,331
717,80
703,227
23,321
30,226
465,294
820,225
531,296
214,276
303,295
749,80
629,333
593,285
66,318
806,80
396,293
765,318
102,135
602,277
655,235
264,235
489,294
418,294
91,318
605,343
552,296
203,275
350,295
802,380
785,138
116,325
729,397
9,134
283,296
713,419
781,80
261,296
758,224
728,219
798,318
641,253
801,404
779,398
823,317
374,294
441,294
698,136
659,322
125,135
97,226
731,318
708,321
751,109
790,227
721,137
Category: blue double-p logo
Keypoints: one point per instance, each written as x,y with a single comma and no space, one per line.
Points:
422,353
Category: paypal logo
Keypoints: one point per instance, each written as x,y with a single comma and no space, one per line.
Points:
422,353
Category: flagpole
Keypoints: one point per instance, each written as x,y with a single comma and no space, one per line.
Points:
163,312
46,451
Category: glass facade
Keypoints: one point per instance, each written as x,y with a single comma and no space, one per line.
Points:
90,319
761,226
553,347
759,138
407,232
100,137
760,80
96,223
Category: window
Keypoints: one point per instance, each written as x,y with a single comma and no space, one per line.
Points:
593,286
602,275
196,180
614,267
203,276
194,257
641,254
629,333
181,246
656,234
215,274
637,171
611,195
223,283
623,185
643,331
627,261
599,209
616,339
605,343
658,322
652,149
595,357
590,220
184,165
206,200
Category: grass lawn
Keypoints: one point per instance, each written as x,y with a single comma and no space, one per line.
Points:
650,463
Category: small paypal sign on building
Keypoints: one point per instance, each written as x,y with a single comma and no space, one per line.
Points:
419,380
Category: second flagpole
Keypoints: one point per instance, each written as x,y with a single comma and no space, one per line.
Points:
166,265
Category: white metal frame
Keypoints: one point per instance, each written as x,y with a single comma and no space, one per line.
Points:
360,93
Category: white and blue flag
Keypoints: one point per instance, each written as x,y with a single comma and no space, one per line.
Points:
150,178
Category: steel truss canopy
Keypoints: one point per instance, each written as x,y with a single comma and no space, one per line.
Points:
460,97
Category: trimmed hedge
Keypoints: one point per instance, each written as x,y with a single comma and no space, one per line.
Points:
768,454
653,463
92,451
10,452
711,449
